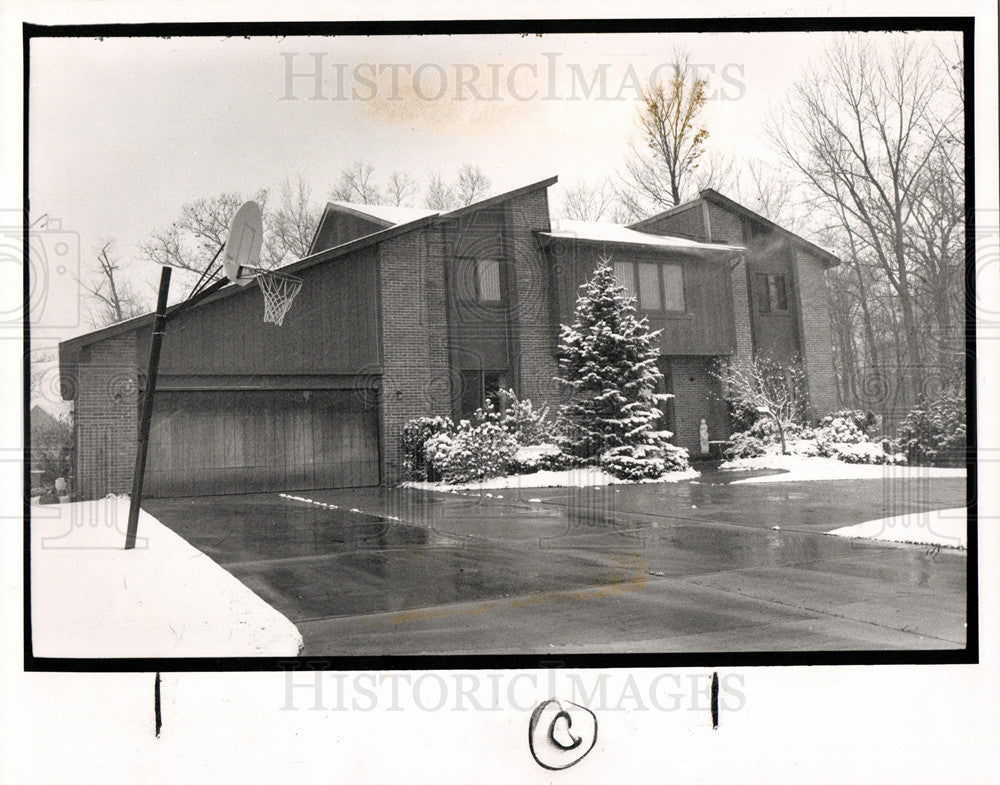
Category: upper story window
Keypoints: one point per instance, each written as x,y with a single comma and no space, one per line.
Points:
657,287
479,279
772,293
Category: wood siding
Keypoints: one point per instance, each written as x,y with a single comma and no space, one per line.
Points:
705,328
775,333
218,442
339,228
331,328
478,330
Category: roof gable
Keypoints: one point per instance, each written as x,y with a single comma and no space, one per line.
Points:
714,197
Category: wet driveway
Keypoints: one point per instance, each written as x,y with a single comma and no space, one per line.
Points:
692,566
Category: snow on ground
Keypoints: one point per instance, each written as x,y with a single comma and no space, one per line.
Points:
165,598
937,527
567,478
799,468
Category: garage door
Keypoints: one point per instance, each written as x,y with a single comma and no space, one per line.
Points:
246,441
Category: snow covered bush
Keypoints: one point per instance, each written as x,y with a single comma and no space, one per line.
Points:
607,364
935,433
519,418
837,430
636,462
471,452
414,437
865,452
837,436
539,457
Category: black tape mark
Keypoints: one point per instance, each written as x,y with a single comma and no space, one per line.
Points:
715,701
157,715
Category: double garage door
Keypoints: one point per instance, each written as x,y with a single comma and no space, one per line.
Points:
248,441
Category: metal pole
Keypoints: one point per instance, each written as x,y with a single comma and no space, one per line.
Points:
146,415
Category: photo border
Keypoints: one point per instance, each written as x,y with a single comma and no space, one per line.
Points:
969,655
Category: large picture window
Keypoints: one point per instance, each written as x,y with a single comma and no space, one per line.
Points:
657,287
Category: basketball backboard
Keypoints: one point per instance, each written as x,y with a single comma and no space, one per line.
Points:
241,254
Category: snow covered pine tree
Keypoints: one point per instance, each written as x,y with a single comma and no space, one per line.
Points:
607,362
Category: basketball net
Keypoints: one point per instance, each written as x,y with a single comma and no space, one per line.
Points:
279,290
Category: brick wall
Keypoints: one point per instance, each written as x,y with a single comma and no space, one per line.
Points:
695,391
741,311
107,417
816,337
414,338
531,307
723,226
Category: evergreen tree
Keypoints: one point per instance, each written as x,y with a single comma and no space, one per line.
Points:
607,362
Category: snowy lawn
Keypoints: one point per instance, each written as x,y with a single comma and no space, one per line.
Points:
91,598
799,468
567,478
938,527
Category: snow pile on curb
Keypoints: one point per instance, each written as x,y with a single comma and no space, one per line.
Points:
567,478
165,598
946,528
800,468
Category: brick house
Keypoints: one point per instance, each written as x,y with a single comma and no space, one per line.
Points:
409,312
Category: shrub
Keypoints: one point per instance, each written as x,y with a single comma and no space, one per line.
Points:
538,457
865,452
754,441
745,445
519,419
415,436
934,434
471,453
839,436
866,422
648,461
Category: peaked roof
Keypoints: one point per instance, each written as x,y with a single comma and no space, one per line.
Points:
69,349
615,234
390,215
714,197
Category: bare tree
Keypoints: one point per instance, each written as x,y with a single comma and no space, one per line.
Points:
194,238
863,129
439,195
357,184
760,387
471,185
289,228
673,136
400,188
110,296
585,202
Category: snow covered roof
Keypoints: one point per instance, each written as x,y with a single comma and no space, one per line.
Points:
591,231
389,214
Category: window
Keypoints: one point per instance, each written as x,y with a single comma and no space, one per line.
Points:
649,287
480,386
660,286
625,276
478,279
772,295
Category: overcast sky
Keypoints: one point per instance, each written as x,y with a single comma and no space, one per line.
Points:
123,132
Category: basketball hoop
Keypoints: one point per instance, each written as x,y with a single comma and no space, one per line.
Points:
279,290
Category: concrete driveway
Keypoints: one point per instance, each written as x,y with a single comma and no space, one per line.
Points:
687,567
